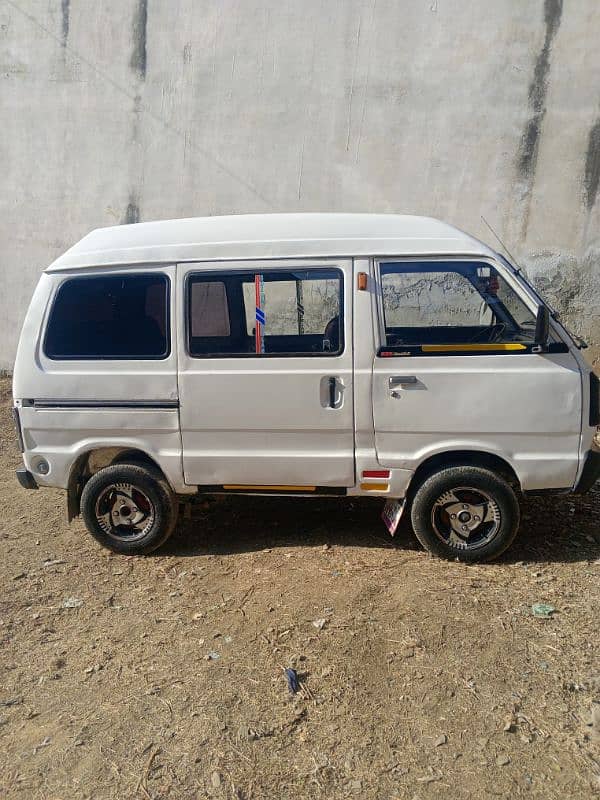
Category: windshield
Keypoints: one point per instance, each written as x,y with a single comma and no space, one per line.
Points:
575,338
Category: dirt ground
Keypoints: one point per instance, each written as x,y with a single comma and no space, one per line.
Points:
163,677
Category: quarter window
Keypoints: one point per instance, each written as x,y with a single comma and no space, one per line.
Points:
112,317
265,313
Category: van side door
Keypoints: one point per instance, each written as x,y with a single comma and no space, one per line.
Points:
265,374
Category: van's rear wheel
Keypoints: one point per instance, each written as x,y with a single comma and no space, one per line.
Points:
465,513
128,508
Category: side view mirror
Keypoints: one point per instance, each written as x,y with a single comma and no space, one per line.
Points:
542,326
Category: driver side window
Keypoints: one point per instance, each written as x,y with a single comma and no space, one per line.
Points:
451,303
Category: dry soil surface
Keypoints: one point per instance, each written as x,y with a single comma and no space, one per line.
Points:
163,677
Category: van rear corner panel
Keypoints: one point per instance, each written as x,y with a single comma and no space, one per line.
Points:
103,337
98,385
27,370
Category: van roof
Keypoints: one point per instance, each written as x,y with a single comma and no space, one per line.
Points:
252,236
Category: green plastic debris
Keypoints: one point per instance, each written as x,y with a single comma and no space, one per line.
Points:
543,610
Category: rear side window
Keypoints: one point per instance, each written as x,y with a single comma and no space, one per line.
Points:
266,313
112,317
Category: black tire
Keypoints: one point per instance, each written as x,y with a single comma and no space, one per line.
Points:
146,512
452,492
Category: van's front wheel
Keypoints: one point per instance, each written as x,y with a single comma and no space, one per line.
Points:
465,513
129,509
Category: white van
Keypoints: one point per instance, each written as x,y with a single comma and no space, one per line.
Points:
300,354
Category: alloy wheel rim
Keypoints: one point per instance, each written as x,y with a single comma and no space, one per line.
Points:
465,518
124,512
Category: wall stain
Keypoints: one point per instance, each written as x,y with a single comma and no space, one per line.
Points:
591,178
140,25
528,151
132,214
65,11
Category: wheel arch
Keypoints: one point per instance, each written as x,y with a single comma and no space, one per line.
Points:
96,458
464,458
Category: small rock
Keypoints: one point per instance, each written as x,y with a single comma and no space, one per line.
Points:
212,656
72,602
215,780
440,740
502,761
355,785
326,547
319,623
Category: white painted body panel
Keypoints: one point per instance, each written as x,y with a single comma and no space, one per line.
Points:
267,236
524,408
61,436
264,421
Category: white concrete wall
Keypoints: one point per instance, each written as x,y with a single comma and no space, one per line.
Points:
122,110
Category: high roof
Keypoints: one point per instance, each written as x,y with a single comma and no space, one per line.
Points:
254,236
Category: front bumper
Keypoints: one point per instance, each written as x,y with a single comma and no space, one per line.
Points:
590,473
26,479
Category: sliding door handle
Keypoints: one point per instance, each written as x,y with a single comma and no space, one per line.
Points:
332,388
